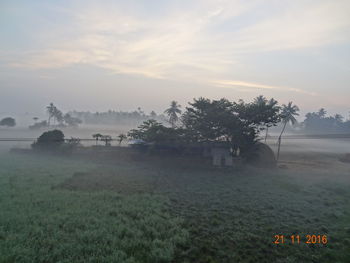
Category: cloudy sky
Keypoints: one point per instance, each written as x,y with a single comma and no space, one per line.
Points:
100,55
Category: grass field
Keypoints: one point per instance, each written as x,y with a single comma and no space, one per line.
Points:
56,209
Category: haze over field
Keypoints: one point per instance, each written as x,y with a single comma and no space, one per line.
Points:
144,131
100,55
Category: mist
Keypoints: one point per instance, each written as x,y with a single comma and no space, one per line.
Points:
175,131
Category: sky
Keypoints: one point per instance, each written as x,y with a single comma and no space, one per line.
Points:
100,55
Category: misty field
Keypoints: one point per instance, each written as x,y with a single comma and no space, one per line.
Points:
152,209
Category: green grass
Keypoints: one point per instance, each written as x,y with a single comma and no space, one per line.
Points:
162,210
40,223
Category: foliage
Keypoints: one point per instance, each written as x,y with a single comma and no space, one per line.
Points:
318,122
50,140
289,112
8,121
122,137
112,117
173,112
71,121
62,119
238,124
267,111
288,116
107,139
153,131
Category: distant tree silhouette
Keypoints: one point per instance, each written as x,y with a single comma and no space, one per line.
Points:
318,122
153,114
51,111
287,116
8,121
107,139
50,140
71,121
121,138
35,119
322,113
97,136
58,116
173,112
269,111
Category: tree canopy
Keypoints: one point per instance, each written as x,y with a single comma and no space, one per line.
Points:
236,124
8,121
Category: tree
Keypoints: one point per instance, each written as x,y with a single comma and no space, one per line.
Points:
153,131
97,136
236,124
287,116
55,114
268,111
121,138
58,116
50,140
107,139
338,118
8,121
51,111
35,119
153,115
173,112
71,121
322,113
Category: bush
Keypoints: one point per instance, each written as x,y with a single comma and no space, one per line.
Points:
9,122
50,140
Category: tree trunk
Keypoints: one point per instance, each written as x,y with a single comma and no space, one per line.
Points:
267,131
279,141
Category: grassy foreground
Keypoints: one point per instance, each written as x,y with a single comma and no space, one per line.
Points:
64,210
39,223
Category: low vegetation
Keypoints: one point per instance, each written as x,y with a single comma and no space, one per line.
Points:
40,222
143,209
8,121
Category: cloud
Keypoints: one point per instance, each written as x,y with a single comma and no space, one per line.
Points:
247,86
199,40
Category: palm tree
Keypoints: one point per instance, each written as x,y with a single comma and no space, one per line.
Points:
172,112
273,105
121,138
58,115
287,115
338,118
97,136
107,139
51,111
322,113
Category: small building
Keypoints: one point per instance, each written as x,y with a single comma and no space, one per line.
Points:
222,157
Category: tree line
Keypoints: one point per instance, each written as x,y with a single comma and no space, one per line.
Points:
56,118
112,117
319,122
236,124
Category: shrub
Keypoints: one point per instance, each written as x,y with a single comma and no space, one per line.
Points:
50,140
9,122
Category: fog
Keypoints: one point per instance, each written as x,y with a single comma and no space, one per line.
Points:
175,131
